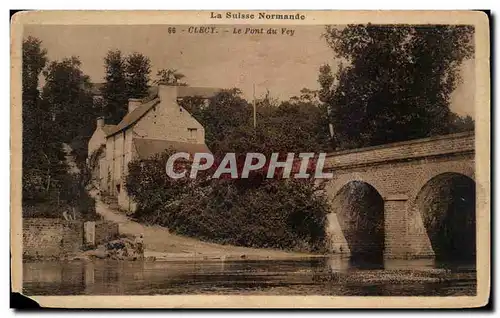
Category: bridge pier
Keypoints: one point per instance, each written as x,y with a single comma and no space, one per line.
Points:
395,238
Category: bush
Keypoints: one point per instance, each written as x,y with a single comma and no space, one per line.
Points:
74,193
149,186
67,194
286,214
47,209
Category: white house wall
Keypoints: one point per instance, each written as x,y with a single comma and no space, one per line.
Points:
168,121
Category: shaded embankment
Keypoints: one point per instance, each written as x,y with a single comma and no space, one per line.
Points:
161,244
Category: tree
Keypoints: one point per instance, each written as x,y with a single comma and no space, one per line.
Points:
42,153
224,112
170,77
229,128
70,104
69,101
114,91
310,127
395,81
306,96
34,60
461,124
138,68
60,114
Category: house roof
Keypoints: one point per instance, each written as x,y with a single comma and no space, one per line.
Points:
134,116
152,99
108,129
148,147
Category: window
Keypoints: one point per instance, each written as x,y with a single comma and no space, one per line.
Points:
192,133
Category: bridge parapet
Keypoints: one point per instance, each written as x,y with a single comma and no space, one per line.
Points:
412,149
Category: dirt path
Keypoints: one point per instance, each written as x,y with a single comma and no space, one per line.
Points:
161,244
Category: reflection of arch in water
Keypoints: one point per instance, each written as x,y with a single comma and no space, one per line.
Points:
446,206
357,220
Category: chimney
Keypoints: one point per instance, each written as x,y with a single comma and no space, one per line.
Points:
133,103
167,94
100,122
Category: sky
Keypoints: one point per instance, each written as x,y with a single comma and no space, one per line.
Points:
282,64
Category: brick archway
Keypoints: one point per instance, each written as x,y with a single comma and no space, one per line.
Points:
398,172
464,169
333,187
356,222
441,218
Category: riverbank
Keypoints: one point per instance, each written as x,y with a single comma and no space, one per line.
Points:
160,244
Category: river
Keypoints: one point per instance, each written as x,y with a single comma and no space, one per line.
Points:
312,276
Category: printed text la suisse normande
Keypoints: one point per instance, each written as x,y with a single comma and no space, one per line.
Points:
259,16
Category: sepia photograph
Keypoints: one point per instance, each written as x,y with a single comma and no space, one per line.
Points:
251,153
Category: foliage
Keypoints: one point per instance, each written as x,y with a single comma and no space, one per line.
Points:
67,98
278,214
224,112
394,83
91,170
45,159
170,77
229,128
93,161
48,122
34,60
138,68
114,91
296,126
461,124
256,211
149,185
74,193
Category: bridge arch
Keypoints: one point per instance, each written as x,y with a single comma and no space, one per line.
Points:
466,170
442,213
335,185
356,223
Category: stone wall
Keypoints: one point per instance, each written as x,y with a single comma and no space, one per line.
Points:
105,231
51,237
43,237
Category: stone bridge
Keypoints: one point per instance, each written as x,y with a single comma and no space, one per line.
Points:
411,184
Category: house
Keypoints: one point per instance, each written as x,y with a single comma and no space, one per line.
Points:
151,125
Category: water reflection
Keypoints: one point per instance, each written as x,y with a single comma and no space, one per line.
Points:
314,276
